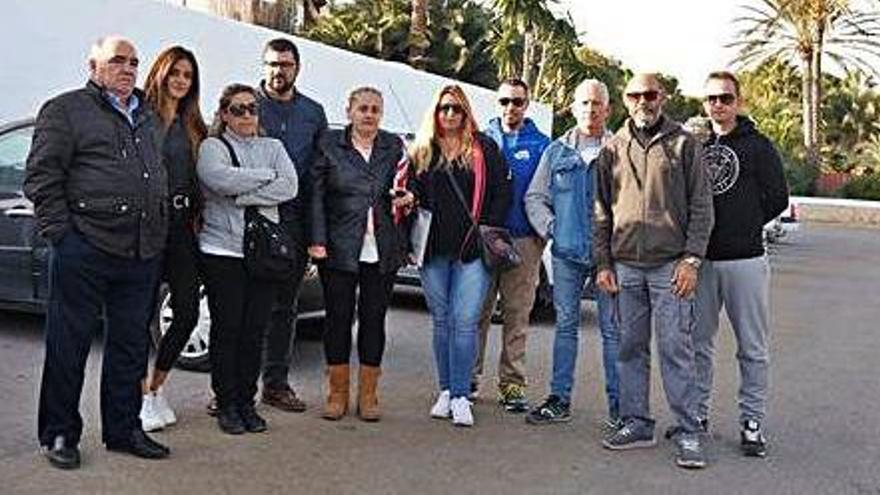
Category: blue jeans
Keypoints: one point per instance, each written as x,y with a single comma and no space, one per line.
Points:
646,294
455,292
568,283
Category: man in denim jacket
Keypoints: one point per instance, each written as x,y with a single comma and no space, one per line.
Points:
559,206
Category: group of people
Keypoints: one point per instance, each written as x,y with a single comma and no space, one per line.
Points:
131,188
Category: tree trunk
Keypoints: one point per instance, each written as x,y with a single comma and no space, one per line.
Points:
418,35
807,101
530,56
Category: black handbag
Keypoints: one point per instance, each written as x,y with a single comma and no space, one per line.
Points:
268,248
497,249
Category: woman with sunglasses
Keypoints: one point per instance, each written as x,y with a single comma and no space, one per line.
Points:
450,153
358,244
172,90
238,168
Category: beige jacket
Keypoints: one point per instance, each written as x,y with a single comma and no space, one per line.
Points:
653,204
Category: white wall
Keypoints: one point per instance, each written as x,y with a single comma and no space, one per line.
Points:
44,44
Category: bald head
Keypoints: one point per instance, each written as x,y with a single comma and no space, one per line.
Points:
644,99
113,65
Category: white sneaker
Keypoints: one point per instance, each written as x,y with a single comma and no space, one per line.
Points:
440,410
461,412
150,418
162,408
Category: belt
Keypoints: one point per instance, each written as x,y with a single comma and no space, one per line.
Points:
180,201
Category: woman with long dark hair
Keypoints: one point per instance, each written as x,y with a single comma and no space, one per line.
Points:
237,169
358,244
172,90
450,157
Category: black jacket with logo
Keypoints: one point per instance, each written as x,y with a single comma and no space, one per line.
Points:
344,188
92,171
748,187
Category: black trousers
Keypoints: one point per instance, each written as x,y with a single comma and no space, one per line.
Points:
83,280
240,308
281,333
181,271
340,288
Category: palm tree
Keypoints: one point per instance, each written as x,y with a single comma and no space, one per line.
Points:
533,21
418,34
804,32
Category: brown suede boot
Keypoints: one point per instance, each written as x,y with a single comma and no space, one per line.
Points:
338,379
368,398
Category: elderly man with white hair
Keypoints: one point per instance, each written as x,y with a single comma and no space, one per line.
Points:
99,191
559,205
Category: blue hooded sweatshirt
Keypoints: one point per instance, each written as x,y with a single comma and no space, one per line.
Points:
522,150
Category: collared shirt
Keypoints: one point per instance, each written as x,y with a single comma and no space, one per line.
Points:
127,111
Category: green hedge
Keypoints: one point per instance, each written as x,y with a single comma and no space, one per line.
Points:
863,187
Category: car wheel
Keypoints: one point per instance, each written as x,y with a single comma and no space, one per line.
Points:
194,356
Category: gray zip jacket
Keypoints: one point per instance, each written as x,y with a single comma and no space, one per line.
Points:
653,204
266,178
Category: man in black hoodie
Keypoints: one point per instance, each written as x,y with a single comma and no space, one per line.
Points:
749,190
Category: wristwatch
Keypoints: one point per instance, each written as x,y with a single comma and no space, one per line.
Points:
693,261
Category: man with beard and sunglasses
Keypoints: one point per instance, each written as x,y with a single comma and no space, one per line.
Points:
296,120
522,145
749,190
653,216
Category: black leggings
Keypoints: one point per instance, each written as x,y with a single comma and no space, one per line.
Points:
372,303
240,307
181,271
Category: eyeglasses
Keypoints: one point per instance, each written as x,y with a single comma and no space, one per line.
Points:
649,96
275,64
723,98
240,110
450,107
517,102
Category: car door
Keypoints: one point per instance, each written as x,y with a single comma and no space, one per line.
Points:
19,275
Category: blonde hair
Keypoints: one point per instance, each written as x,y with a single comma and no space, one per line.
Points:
422,150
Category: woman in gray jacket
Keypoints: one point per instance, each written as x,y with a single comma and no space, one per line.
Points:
240,305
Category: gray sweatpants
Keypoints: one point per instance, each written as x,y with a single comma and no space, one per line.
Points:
741,287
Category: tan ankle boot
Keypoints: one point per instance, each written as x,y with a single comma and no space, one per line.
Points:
368,398
338,379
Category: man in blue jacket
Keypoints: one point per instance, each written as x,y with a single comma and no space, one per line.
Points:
559,204
522,145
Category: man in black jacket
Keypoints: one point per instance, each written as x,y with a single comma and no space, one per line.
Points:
99,190
298,121
749,190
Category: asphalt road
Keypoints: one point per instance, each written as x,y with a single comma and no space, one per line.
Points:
823,420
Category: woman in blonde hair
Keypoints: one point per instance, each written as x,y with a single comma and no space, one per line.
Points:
458,174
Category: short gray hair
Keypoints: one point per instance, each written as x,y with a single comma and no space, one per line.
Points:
586,83
97,49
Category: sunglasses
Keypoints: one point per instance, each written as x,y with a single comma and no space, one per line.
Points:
517,102
723,98
649,96
450,107
240,110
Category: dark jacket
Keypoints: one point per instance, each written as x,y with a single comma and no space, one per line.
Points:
298,123
90,170
749,190
344,187
451,234
522,151
653,202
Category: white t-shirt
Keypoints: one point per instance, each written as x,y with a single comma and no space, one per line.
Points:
369,249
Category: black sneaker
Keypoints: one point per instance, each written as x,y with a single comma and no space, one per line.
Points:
552,410
690,452
633,434
252,422
752,441
512,398
229,421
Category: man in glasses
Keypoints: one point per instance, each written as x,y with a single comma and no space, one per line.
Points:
99,190
296,120
749,190
559,204
653,217
522,144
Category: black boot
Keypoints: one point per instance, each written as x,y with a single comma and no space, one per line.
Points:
252,421
230,421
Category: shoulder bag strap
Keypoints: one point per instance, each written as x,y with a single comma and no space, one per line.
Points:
235,162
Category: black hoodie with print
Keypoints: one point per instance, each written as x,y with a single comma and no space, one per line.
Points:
748,188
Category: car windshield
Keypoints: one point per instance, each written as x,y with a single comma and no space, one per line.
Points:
14,147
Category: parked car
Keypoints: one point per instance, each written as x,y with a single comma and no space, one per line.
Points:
24,256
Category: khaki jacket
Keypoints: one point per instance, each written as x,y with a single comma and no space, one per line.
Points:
653,204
